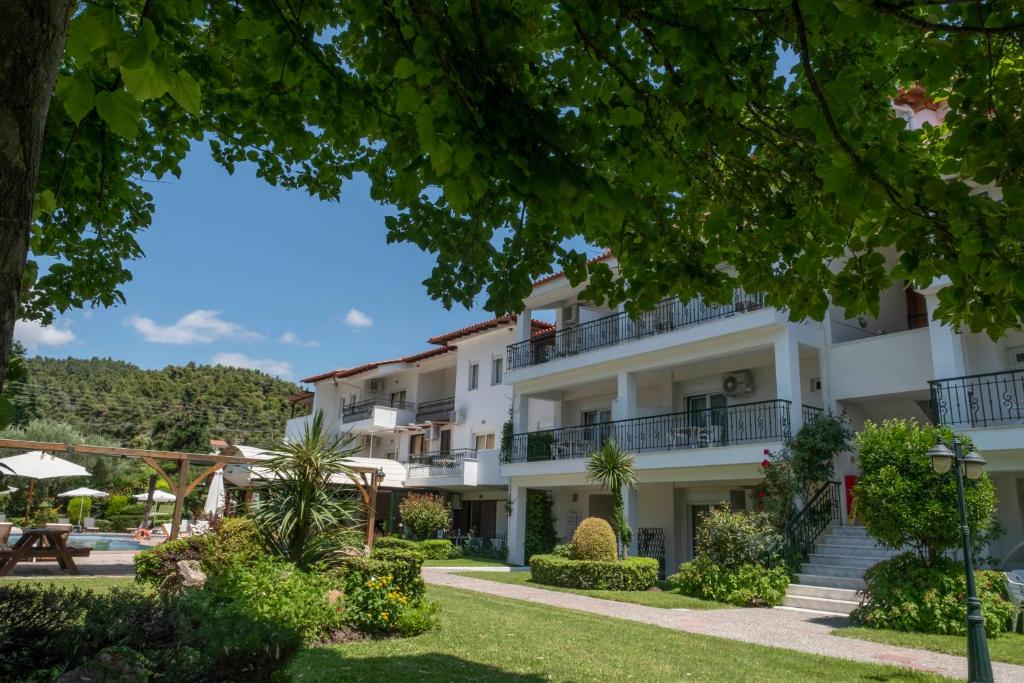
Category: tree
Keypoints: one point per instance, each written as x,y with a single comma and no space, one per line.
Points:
187,430
302,513
904,503
612,468
424,513
669,132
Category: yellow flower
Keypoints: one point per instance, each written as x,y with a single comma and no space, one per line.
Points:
384,616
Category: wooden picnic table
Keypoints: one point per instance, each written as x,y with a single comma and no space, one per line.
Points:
42,544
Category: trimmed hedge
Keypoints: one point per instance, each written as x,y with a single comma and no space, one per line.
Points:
594,540
431,549
404,567
630,574
743,585
394,542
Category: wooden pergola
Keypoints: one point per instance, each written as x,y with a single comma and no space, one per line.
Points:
366,479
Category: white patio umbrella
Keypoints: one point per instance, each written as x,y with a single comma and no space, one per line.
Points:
159,496
82,492
214,505
8,491
38,465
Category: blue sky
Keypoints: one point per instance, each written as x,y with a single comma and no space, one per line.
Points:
242,273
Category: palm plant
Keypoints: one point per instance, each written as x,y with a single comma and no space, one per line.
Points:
302,514
612,468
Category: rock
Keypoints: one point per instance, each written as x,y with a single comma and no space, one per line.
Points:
116,664
191,574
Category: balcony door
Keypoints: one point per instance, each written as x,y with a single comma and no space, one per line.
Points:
397,397
707,414
446,440
596,427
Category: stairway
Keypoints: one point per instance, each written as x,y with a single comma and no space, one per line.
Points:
830,578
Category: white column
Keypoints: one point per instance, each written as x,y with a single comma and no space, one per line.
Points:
524,328
787,377
947,345
520,413
624,406
517,525
630,503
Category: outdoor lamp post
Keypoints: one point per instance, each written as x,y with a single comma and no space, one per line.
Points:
979,664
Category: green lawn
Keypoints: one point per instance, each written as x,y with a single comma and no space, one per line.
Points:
98,583
666,598
464,562
484,638
1007,648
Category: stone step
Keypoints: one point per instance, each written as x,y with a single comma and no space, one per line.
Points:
827,556
846,547
800,590
819,604
847,530
851,542
822,569
808,579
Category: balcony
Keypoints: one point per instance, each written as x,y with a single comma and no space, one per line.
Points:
808,413
994,399
441,410
758,422
364,409
440,463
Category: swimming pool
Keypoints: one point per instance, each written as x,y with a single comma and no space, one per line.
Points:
99,541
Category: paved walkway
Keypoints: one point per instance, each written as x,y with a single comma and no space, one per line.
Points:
98,563
787,629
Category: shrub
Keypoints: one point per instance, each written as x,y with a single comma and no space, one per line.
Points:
374,605
733,539
231,540
278,592
745,584
116,504
907,594
903,502
630,574
562,550
120,523
594,540
413,621
104,525
394,542
438,549
540,524
425,513
404,567
78,508
37,627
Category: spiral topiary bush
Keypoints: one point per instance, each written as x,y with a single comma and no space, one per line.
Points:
594,540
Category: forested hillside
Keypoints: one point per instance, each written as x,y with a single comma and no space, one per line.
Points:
126,403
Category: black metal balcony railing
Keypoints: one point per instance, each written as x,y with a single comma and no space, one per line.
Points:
436,411
991,399
808,413
744,423
668,315
439,463
364,409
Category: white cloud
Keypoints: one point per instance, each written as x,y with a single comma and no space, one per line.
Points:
294,340
357,319
278,368
198,327
34,335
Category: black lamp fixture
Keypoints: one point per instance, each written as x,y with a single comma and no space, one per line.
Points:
979,664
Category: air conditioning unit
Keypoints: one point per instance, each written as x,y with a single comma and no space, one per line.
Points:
375,385
368,441
570,315
738,383
1016,355
459,416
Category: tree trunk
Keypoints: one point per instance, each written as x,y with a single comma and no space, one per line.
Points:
149,500
32,33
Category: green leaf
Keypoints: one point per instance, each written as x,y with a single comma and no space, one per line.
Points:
135,50
94,28
186,92
404,68
147,82
120,111
77,95
45,202
409,99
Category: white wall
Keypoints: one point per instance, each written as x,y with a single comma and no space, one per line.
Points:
890,364
484,409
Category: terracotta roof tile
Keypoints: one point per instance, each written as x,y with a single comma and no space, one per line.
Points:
916,99
560,274
484,326
366,367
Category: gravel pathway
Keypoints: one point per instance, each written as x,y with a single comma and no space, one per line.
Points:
787,629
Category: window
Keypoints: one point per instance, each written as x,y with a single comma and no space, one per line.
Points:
474,376
416,444
484,441
397,397
495,371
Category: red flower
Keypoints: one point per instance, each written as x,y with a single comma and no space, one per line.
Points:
760,495
766,451
765,463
